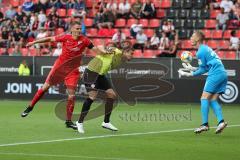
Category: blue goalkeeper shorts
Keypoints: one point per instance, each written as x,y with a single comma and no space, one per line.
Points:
216,83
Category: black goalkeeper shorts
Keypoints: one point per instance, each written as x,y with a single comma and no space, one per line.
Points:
93,80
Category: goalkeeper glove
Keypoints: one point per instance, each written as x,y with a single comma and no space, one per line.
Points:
189,67
183,73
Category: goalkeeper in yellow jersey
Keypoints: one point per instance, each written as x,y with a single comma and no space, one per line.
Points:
95,79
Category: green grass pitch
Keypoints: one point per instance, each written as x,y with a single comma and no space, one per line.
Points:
140,136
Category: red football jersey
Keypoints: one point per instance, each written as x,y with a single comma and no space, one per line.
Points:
72,48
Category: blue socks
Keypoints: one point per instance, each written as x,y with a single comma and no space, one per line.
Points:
217,110
205,111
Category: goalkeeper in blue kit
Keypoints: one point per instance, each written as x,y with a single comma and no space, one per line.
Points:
215,83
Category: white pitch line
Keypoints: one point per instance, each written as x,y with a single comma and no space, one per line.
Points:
62,156
104,136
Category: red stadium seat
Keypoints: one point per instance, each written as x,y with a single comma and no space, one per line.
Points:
186,44
132,1
137,54
89,3
70,12
154,23
221,54
179,52
92,32
15,3
227,34
105,32
194,52
24,51
32,52
149,53
238,33
213,44
230,55
108,40
210,24
214,13
98,42
1,50
130,22
120,22
21,2
114,30
91,13
88,22
126,31
157,3
207,33
224,44
35,1
165,4
144,22
102,32
48,11
149,32
10,51
62,12
217,34
160,13
59,31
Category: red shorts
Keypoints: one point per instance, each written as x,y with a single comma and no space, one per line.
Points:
71,80
64,72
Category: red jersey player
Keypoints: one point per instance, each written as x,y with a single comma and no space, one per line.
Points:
65,68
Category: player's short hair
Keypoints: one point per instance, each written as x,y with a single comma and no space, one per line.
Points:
200,35
75,23
126,45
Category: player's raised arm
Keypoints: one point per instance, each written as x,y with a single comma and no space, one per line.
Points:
42,40
200,71
194,71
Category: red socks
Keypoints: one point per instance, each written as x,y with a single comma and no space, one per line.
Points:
69,108
37,97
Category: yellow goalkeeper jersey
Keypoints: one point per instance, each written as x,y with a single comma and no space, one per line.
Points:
103,63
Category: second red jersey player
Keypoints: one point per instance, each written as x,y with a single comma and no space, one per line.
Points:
65,68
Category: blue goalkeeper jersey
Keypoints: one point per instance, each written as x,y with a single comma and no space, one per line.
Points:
208,61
